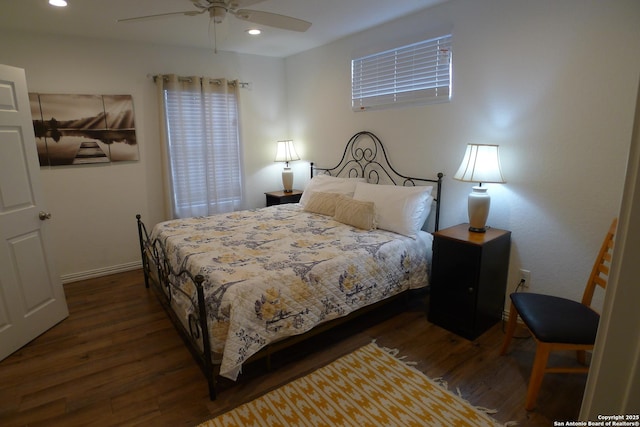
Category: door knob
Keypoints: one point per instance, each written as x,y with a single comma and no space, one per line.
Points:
44,215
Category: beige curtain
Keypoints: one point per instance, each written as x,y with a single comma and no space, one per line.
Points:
201,150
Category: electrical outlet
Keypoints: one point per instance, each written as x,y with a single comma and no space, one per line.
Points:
526,276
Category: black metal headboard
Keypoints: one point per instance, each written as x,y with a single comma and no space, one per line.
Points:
365,157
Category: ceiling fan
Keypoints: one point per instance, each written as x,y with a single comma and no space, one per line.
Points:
219,9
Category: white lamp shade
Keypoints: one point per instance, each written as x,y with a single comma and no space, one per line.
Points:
481,163
286,152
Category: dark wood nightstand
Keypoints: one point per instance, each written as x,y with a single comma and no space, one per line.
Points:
468,279
280,197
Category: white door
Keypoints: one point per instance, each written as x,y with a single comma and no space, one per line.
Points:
31,294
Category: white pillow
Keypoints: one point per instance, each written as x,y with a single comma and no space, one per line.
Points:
402,210
330,184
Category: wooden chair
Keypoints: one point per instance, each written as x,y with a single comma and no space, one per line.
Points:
558,323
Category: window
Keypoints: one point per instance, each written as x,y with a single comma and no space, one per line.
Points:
419,73
202,146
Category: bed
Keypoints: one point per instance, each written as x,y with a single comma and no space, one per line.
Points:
239,286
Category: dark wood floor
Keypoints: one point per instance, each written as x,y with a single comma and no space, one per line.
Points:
117,360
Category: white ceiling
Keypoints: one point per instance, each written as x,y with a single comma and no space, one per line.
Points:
331,20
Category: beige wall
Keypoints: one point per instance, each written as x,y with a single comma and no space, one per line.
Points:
613,386
552,82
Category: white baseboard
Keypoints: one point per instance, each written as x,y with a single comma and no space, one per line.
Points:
99,272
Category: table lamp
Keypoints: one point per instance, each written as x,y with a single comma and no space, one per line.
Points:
286,152
481,163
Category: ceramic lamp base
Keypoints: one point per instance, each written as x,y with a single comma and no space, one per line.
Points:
479,202
287,180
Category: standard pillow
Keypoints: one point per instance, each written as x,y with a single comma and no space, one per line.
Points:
402,210
355,213
329,184
322,203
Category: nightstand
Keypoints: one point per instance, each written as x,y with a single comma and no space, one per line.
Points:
280,197
468,279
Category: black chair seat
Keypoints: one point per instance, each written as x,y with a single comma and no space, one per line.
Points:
556,320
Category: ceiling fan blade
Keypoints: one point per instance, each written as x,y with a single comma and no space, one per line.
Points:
273,20
161,15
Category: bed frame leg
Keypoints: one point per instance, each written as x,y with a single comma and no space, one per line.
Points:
212,387
206,346
145,265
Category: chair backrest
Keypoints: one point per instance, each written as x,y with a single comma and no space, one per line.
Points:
600,272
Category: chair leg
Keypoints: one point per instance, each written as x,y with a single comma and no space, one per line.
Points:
537,373
511,328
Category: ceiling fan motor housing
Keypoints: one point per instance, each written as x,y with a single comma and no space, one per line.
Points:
217,14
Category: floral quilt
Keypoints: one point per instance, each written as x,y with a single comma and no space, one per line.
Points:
279,271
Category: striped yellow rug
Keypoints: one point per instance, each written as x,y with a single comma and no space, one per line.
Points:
369,387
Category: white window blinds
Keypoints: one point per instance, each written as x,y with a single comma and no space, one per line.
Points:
203,147
419,73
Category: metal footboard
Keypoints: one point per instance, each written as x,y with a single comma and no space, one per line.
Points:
159,273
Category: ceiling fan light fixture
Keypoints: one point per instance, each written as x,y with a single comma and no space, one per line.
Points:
254,31
58,3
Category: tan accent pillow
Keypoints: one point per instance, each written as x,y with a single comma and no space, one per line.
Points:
356,213
322,203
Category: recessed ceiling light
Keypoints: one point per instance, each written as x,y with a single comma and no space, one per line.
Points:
58,3
254,31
